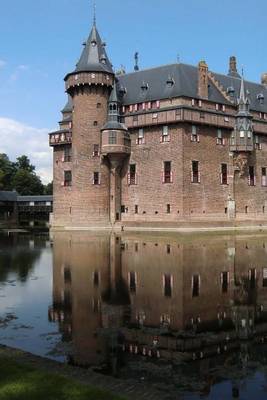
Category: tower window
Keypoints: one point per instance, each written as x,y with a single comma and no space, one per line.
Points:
140,139
96,178
224,281
168,209
220,139
96,150
257,142
67,178
195,174
132,175
224,174
167,172
251,176
67,154
96,278
98,105
263,177
136,209
194,135
252,278
95,123
112,137
165,137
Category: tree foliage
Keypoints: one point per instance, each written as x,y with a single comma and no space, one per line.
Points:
21,176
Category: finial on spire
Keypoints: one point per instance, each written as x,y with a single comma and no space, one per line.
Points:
136,67
94,18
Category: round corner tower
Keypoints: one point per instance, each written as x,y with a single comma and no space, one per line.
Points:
90,86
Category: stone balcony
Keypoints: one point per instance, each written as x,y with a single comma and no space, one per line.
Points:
60,137
115,143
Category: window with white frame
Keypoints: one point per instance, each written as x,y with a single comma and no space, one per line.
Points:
165,137
141,136
194,134
263,176
257,142
220,138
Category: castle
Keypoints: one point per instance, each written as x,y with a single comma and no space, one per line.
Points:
167,146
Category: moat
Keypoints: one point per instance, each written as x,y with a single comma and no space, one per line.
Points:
186,314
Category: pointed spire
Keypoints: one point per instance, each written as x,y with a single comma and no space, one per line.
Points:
94,19
94,57
114,112
243,101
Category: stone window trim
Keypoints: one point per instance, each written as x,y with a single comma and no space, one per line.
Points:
141,137
132,176
96,178
167,174
220,140
165,135
194,134
195,173
251,176
96,152
67,179
224,174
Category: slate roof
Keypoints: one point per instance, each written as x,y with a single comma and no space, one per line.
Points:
8,196
34,198
94,57
69,106
155,84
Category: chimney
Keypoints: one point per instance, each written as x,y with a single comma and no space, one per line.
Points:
232,66
264,79
203,80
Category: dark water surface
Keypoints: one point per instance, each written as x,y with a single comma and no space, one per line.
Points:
185,314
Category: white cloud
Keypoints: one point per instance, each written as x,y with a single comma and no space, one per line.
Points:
17,138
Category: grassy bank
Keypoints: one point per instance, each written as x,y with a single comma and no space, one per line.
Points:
22,382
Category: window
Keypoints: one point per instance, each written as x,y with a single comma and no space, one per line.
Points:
263,177
252,278
194,135
96,178
165,137
251,176
122,209
264,277
67,178
167,285
224,281
168,209
95,123
96,150
98,105
112,137
167,172
195,285
132,175
195,174
96,278
132,278
67,154
257,142
140,139
136,209
220,139
224,174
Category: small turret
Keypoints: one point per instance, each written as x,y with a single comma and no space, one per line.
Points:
242,137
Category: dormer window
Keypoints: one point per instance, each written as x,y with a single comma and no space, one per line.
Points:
231,90
170,82
103,59
93,42
260,98
144,87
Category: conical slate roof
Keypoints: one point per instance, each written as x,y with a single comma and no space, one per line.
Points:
94,57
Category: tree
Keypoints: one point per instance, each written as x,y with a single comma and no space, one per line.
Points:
27,183
23,162
48,189
7,171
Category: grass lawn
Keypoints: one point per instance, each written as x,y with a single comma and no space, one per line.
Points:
20,382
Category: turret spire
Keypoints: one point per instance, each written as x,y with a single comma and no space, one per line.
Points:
243,102
94,18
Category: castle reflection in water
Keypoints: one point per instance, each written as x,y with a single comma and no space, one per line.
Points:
123,300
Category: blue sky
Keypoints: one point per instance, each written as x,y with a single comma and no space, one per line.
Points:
41,41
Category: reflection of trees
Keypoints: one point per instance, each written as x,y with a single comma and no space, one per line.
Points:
17,258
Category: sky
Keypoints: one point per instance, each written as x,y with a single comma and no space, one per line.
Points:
41,41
